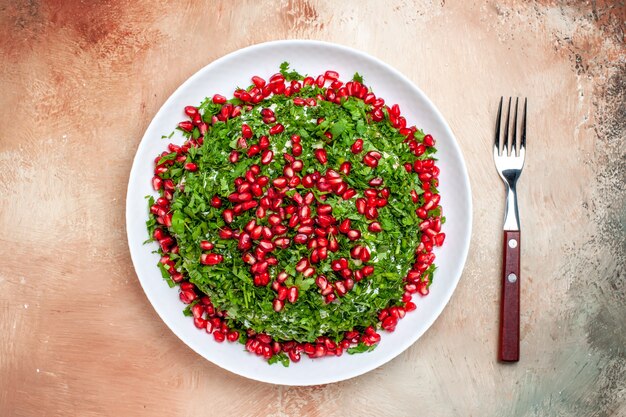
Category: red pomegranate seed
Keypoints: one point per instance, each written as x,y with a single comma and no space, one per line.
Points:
292,296
429,140
331,75
344,227
375,227
377,115
228,215
276,129
264,142
361,205
365,254
345,168
348,194
353,234
258,81
246,131
321,282
211,258
278,305
280,182
191,111
186,126
357,146
219,99
267,157
321,156
355,252
336,266
206,245
219,336
281,292
389,323
234,157
367,270
157,183
340,288
190,166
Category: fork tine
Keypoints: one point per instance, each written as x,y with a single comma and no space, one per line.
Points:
514,141
505,148
496,143
523,138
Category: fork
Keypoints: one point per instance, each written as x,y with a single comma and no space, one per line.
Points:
509,164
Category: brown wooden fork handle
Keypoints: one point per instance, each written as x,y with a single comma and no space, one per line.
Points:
508,347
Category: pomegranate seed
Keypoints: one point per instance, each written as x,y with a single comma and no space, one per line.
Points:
282,293
357,146
282,277
370,193
258,81
367,270
276,129
429,140
331,75
246,131
228,215
345,168
321,156
375,227
344,227
353,234
280,182
190,166
361,205
389,323
191,111
267,157
370,161
157,183
422,288
294,356
211,258
340,288
278,305
186,126
219,99
292,296
219,336
348,194
378,115
206,245
321,282
225,233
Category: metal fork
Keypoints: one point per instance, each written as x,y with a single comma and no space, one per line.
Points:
509,162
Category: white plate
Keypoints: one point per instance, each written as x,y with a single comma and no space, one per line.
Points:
313,58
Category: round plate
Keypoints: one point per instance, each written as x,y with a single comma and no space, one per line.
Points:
307,57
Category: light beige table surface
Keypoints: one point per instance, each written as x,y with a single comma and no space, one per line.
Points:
79,83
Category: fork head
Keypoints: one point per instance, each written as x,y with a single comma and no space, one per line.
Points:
508,157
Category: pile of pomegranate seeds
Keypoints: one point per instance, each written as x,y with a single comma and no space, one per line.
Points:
298,217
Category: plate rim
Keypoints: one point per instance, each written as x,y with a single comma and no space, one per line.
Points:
464,180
